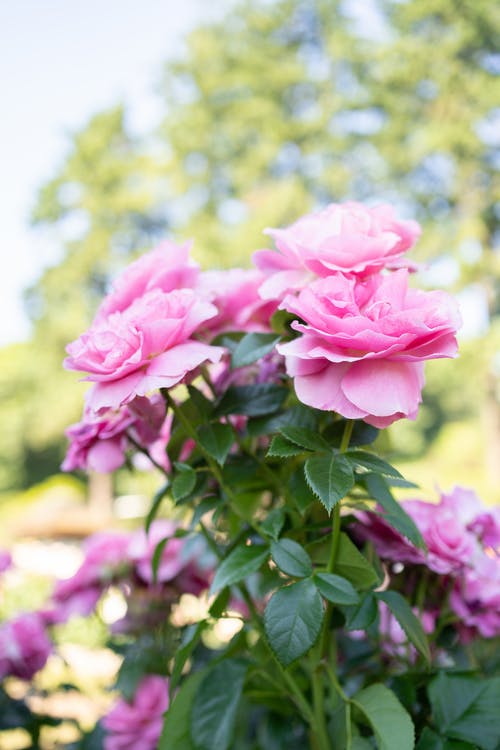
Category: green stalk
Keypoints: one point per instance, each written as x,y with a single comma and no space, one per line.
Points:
322,648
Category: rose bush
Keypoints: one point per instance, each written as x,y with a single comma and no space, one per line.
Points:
329,615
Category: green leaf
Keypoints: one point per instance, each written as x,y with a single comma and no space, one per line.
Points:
240,563
282,448
184,481
360,743
190,640
429,740
394,514
219,605
299,415
362,615
251,400
252,347
176,733
273,523
293,619
156,559
300,492
372,462
304,437
215,705
202,403
353,565
217,440
336,589
391,723
330,477
410,624
362,433
280,321
155,505
291,558
467,708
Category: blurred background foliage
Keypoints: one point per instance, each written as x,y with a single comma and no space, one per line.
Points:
279,108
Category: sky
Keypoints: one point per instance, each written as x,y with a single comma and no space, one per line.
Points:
60,62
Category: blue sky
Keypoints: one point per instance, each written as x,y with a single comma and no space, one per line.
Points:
60,62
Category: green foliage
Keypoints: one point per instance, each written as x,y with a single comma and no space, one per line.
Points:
466,708
291,558
330,477
215,705
293,620
241,562
408,621
391,724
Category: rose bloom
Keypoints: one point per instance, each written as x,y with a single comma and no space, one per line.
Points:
347,238
235,293
166,268
98,443
138,725
143,348
476,599
363,344
24,646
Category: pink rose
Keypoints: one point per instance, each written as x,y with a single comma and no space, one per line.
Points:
235,293
476,598
145,347
138,724
363,344
166,268
347,238
450,545
98,443
24,646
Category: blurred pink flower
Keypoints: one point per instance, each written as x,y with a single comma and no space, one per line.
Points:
476,598
143,348
105,562
166,268
177,563
24,646
5,560
346,238
363,344
137,725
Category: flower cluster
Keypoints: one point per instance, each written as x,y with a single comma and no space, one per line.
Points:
364,333
463,557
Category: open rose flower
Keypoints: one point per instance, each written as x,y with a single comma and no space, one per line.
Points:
24,646
145,347
347,238
166,268
363,344
138,724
